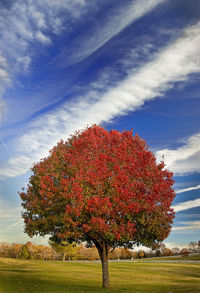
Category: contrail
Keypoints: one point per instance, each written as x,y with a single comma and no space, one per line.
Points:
14,225
5,146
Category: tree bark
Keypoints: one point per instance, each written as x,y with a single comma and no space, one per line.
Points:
54,255
103,253
64,256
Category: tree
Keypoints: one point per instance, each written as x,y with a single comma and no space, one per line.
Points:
162,248
198,243
101,187
192,245
14,250
184,252
43,252
158,253
87,253
32,249
4,249
66,249
125,253
175,250
134,254
115,254
150,253
167,252
24,252
141,254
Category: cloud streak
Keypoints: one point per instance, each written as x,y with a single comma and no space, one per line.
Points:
173,64
188,189
25,24
183,159
4,80
116,22
189,226
186,205
8,211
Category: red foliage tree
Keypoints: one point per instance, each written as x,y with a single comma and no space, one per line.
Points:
184,252
167,252
101,187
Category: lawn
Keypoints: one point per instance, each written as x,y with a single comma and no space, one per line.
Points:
191,257
47,276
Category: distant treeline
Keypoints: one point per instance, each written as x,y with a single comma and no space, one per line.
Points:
66,251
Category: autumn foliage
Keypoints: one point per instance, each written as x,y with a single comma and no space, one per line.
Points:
101,187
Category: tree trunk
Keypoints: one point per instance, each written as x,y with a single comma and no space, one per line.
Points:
103,253
64,256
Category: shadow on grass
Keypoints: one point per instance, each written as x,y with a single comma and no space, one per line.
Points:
32,277
43,278
17,281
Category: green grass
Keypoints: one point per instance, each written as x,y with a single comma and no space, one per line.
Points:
195,257
18,276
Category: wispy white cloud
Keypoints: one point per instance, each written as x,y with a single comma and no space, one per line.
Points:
188,189
1,107
174,244
30,21
8,210
12,225
118,16
4,80
5,146
186,205
174,63
183,159
189,225
42,38
113,24
26,23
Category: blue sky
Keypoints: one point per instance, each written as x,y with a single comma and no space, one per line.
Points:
125,64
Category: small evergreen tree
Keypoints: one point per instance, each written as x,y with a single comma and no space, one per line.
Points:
24,252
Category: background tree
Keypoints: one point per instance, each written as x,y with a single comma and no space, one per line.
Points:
43,252
150,253
87,253
175,250
32,249
115,254
4,249
141,254
192,246
101,187
68,250
24,252
167,252
134,254
184,252
158,253
198,243
125,253
14,250
162,248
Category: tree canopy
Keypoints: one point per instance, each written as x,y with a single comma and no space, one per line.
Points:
101,187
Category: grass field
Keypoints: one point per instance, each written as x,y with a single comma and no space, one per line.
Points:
57,277
195,257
